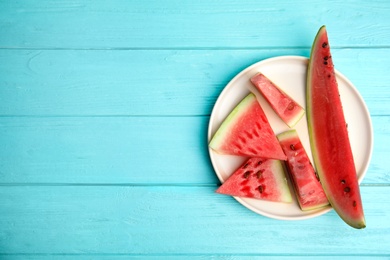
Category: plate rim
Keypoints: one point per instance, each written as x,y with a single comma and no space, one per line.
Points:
302,59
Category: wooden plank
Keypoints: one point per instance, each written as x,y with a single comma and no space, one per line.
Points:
105,150
178,24
139,150
138,221
170,82
182,256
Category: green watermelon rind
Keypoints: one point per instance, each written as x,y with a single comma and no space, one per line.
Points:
228,123
282,180
294,120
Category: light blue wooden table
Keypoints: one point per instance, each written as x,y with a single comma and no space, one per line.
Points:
104,110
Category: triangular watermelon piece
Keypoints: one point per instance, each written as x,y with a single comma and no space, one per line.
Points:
283,105
308,189
257,178
247,132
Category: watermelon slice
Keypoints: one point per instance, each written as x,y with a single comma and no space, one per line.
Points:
259,179
328,133
308,189
283,105
246,132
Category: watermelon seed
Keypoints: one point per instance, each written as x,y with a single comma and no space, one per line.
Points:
260,188
324,45
259,173
325,63
342,181
347,189
246,165
259,162
292,147
246,174
326,58
354,203
328,76
250,136
242,139
291,106
238,146
253,151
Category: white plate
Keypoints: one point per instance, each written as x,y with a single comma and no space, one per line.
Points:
289,72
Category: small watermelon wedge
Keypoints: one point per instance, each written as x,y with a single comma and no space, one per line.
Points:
247,132
328,133
258,179
283,105
308,189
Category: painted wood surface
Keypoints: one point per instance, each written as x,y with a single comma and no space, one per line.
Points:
174,220
104,109
155,82
190,24
120,150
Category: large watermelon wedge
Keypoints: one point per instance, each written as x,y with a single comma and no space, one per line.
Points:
329,138
308,189
247,132
259,179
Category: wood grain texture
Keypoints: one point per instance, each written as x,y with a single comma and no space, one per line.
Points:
138,220
182,256
135,150
190,24
105,150
164,82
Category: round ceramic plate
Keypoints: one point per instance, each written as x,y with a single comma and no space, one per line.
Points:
289,73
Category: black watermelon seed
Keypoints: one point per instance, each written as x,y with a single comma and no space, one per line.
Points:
246,174
259,173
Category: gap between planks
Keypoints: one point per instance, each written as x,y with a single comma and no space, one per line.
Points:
179,185
183,48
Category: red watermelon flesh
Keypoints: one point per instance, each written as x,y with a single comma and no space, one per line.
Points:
247,132
283,105
329,138
259,179
308,189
